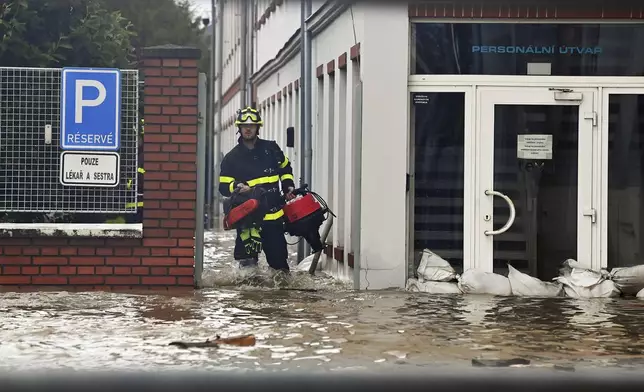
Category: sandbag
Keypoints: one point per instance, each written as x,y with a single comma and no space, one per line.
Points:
579,276
305,264
629,280
433,287
584,283
640,294
527,286
434,268
604,289
478,282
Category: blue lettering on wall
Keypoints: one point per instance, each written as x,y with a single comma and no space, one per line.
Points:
530,49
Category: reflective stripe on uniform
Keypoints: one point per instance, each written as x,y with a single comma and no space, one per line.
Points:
283,164
247,233
140,170
137,204
253,182
263,180
274,215
226,180
287,177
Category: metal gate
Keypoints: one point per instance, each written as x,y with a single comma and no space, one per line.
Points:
30,111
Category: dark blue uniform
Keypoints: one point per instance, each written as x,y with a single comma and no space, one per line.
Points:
264,166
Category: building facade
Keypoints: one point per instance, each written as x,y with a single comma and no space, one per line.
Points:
488,132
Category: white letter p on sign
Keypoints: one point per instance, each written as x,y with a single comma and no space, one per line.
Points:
81,103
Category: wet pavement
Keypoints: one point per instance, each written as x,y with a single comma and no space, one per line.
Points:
331,329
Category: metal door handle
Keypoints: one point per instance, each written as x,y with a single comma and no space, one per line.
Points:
510,221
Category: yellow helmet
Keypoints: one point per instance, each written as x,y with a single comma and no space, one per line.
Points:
248,116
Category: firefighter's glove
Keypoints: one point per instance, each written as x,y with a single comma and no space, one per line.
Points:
243,187
289,193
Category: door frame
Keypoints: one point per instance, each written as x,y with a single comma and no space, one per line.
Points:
489,98
469,84
602,235
468,175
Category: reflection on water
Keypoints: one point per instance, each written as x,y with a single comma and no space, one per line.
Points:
331,329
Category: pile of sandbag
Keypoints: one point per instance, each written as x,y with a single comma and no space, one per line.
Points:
435,276
578,282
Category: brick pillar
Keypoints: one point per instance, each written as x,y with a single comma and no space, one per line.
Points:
170,159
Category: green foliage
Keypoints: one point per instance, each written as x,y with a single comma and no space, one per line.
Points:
161,22
55,33
102,33
101,39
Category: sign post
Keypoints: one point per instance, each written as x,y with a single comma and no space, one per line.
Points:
90,122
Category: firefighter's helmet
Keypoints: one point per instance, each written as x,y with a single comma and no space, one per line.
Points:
248,116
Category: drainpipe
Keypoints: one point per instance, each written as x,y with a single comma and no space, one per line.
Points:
201,179
306,142
356,186
218,96
252,17
243,49
210,123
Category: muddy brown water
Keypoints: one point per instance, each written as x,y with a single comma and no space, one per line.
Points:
331,329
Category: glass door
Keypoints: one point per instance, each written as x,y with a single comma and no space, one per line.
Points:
439,175
622,176
534,178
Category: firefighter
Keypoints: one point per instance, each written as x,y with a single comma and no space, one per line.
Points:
258,163
140,171
138,217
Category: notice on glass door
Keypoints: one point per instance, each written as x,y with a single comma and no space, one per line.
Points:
421,99
534,147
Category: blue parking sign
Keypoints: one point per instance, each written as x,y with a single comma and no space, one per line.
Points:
90,113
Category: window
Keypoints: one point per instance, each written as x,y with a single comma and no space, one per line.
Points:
507,48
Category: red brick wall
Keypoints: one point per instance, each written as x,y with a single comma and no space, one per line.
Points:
164,257
527,9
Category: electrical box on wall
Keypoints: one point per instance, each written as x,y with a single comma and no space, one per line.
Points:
290,137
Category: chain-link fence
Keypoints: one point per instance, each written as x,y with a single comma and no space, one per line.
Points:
30,103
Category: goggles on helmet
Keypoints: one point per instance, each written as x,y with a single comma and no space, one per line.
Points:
248,116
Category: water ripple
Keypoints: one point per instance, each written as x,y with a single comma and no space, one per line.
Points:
334,328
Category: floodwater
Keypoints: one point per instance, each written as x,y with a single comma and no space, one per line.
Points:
331,329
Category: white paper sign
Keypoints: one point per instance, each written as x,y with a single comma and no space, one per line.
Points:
90,169
534,146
